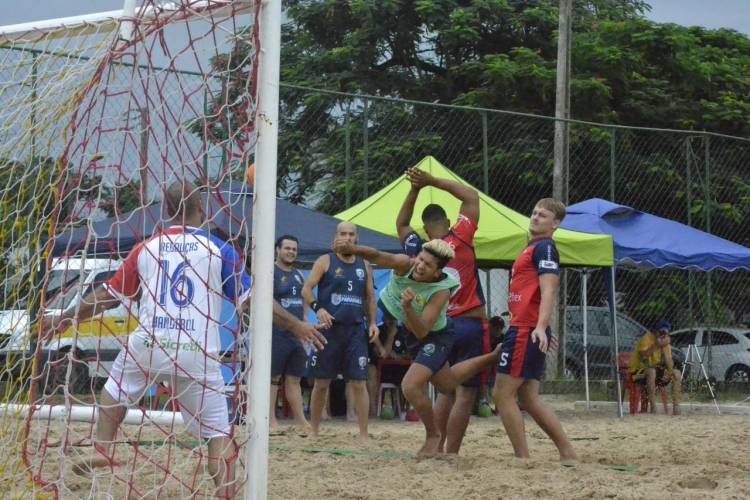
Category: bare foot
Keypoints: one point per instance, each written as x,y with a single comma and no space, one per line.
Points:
301,430
363,439
325,416
569,457
676,410
351,417
496,350
430,448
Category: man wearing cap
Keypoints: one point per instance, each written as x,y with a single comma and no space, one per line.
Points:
652,362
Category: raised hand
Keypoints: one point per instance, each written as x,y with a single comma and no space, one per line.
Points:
343,246
419,178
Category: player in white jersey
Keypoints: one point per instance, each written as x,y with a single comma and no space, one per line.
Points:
179,277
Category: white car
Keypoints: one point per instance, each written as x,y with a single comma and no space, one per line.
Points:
730,350
94,344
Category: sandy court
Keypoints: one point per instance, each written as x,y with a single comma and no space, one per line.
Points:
669,457
637,457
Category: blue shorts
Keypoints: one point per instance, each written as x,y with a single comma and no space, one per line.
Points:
519,356
433,351
288,356
468,342
345,352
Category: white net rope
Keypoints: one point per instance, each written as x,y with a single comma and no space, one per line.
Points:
93,129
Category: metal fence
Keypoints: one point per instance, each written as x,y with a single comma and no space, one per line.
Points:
336,149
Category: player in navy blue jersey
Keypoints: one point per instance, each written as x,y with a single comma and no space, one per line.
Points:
346,297
288,355
533,288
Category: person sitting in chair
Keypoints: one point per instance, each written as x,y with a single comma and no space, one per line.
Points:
652,363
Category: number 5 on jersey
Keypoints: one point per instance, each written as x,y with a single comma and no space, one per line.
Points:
504,358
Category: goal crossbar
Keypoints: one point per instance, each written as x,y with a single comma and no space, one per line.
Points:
108,20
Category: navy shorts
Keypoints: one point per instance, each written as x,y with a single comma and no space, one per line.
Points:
345,352
433,351
468,342
519,356
288,356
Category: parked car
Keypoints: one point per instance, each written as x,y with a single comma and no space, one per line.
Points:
730,350
599,340
96,341
94,344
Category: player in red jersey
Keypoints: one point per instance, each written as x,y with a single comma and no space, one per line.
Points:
466,306
533,288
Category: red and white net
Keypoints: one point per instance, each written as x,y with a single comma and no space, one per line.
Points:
93,129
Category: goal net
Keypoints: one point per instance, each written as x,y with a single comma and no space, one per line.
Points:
99,114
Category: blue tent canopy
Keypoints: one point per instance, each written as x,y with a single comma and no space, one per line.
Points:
647,241
229,211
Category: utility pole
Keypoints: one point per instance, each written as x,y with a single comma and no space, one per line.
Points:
561,160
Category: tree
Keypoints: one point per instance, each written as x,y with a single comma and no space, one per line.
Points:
501,54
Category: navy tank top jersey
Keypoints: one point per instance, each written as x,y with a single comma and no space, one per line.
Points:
287,291
341,291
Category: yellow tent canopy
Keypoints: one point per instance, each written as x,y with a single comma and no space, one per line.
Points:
502,233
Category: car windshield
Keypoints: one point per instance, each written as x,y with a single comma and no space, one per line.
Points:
62,287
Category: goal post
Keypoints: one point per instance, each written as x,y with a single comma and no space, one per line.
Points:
99,113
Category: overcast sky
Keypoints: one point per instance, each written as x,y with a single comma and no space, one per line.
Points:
733,14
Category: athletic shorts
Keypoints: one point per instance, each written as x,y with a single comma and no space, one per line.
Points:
288,356
639,376
519,356
433,351
202,401
345,352
468,342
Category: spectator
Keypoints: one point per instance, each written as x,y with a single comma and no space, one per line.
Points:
652,363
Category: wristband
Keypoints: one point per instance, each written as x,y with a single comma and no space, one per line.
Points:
315,306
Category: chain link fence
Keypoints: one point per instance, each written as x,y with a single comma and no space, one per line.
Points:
336,149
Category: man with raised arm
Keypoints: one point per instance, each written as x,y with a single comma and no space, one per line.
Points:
418,294
466,307
179,277
346,297
531,298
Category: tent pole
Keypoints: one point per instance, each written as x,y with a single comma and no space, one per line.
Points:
613,308
584,311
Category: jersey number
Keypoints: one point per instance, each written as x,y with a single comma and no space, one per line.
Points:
179,285
504,359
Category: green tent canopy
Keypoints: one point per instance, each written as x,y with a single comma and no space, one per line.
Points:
502,233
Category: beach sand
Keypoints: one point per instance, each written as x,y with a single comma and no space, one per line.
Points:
645,456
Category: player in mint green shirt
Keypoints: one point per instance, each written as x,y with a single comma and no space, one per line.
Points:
418,294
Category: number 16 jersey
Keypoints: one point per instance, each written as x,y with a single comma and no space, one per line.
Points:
179,277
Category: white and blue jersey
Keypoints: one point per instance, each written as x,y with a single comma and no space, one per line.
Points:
180,277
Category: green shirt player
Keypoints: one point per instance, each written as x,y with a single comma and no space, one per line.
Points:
418,294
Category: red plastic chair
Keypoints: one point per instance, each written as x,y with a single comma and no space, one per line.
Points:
637,391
